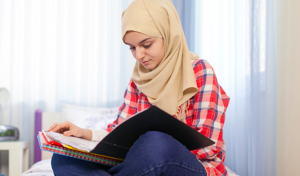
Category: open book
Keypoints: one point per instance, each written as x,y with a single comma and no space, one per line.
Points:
70,142
118,142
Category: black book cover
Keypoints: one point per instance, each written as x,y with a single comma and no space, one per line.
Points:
118,142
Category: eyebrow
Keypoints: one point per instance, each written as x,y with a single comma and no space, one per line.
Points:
140,41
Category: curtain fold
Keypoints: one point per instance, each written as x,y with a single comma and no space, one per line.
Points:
71,51
237,38
58,51
186,13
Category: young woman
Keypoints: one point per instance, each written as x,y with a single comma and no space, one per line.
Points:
172,78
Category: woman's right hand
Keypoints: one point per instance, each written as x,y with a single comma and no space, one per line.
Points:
69,129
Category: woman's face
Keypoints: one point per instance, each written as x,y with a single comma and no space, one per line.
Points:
149,51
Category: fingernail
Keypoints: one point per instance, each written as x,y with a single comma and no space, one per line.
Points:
66,133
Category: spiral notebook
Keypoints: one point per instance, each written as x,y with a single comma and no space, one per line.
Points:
74,153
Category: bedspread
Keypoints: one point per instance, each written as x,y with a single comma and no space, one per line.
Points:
43,168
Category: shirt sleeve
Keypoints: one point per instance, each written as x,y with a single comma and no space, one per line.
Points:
210,105
129,106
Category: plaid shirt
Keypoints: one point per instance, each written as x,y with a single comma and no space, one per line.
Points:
206,114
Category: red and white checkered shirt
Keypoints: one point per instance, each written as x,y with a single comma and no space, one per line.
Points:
206,114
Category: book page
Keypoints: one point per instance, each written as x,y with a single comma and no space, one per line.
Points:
75,142
46,136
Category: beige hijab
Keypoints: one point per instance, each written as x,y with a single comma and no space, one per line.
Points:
172,82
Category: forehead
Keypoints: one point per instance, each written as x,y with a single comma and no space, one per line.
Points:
133,37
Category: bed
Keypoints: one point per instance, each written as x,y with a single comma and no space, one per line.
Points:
85,117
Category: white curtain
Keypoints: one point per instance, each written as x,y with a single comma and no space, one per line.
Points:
71,51
237,38
61,51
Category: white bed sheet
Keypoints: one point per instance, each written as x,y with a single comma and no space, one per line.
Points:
43,168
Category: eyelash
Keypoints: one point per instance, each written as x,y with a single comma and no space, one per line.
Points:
145,46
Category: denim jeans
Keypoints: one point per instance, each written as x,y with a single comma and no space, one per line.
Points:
154,153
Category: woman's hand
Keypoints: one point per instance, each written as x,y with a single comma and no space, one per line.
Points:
69,129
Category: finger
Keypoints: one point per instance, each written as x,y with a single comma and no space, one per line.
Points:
52,126
56,128
73,132
61,127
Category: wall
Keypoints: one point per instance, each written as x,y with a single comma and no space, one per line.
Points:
287,22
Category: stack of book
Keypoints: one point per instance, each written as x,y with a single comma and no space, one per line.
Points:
49,144
113,148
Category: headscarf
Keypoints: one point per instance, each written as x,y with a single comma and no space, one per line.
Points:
172,83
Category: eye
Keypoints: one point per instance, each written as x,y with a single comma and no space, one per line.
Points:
132,48
147,46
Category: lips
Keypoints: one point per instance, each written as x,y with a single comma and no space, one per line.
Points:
145,62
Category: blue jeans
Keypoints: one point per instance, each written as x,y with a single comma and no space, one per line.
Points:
154,153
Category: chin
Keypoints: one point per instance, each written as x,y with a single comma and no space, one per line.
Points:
149,67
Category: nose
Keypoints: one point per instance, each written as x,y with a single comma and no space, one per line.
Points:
139,54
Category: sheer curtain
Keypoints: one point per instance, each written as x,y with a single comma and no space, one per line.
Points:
61,51
71,51
237,38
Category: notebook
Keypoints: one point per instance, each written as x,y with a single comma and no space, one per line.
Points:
118,142
74,153
50,140
73,142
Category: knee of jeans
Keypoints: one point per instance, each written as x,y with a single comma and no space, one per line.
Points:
160,142
56,161
157,137
156,134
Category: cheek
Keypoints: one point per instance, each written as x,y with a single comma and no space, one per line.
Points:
162,53
158,53
133,54
161,50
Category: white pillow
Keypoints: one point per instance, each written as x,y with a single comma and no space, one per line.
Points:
88,117
89,109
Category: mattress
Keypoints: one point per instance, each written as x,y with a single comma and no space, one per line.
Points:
43,168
